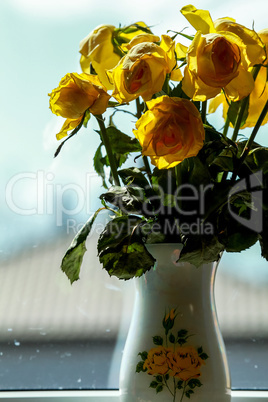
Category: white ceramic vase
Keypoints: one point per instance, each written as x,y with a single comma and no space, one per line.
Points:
174,349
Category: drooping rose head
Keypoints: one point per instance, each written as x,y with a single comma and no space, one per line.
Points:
97,48
157,362
185,363
100,48
170,131
143,70
75,94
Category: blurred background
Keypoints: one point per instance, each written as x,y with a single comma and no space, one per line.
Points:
54,335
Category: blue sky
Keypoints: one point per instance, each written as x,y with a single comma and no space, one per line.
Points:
39,45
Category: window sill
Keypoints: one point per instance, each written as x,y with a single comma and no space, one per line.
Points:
105,396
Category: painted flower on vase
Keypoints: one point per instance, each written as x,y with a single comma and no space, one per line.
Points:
185,363
174,364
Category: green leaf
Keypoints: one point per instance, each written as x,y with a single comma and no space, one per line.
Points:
263,239
189,393
99,164
139,367
224,161
127,261
204,356
159,388
158,340
122,143
72,260
143,355
128,199
199,172
194,382
133,176
154,384
171,338
178,92
121,248
181,341
234,110
235,235
159,378
117,231
201,250
182,333
257,159
180,384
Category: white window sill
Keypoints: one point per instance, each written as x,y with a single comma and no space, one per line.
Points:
105,396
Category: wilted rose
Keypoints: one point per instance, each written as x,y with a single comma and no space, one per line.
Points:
143,70
75,94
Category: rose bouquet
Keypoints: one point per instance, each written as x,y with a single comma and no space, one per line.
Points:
189,183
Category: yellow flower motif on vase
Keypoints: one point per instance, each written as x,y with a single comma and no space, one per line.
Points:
170,315
143,70
185,363
220,56
170,131
75,94
157,361
98,49
257,99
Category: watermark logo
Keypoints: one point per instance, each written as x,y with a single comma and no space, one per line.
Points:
184,207
252,187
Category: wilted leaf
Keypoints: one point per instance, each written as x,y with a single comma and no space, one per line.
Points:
72,260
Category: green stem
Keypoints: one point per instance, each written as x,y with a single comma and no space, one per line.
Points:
145,159
244,106
255,130
204,112
226,127
107,144
178,175
250,141
184,388
168,387
139,108
175,389
147,167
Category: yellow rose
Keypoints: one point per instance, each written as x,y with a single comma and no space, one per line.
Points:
170,131
99,49
75,94
220,56
185,363
213,63
143,70
157,362
144,37
170,315
257,98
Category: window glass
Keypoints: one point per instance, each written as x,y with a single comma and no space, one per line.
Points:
54,335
